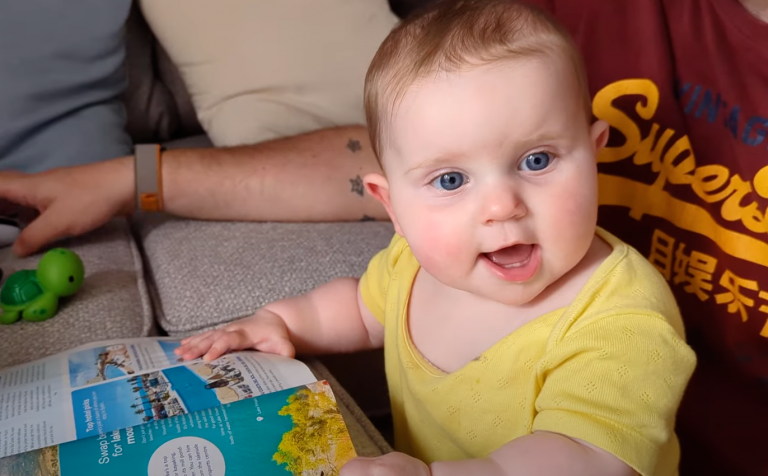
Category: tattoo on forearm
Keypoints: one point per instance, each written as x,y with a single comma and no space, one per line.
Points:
357,185
367,218
354,145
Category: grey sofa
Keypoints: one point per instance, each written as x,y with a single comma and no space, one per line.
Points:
156,275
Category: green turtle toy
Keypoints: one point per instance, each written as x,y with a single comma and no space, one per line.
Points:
33,295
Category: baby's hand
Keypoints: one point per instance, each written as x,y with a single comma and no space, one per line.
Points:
264,331
391,464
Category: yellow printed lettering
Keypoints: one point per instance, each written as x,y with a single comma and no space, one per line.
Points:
662,246
709,178
696,270
677,166
735,300
602,107
732,210
680,173
764,308
648,152
668,171
761,182
625,192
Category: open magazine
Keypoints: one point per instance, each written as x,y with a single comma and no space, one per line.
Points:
133,407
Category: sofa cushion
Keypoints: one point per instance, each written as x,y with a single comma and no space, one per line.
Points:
61,77
225,271
112,303
259,70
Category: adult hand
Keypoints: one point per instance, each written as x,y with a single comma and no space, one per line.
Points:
71,200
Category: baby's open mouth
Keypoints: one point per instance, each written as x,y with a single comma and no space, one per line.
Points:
516,263
513,256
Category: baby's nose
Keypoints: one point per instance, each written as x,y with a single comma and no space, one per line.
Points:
503,204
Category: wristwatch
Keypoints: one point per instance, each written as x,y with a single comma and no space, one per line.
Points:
148,164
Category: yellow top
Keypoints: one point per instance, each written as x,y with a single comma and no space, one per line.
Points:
609,369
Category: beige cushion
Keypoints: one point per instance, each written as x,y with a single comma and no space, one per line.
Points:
262,69
113,302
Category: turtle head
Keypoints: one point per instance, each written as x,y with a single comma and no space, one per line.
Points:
60,272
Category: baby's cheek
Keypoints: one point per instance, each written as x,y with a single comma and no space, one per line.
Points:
569,200
439,246
573,212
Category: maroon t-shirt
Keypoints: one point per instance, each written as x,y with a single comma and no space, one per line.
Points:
684,85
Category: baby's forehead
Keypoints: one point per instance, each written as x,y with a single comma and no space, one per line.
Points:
476,101
551,72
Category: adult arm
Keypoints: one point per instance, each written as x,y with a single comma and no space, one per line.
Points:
310,177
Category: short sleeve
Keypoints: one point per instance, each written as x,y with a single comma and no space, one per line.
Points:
616,383
375,282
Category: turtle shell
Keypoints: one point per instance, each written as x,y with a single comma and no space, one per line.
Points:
20,288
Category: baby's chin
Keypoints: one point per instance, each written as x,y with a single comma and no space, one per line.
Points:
508,294
526,294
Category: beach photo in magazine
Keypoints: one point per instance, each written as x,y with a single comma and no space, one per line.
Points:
297,431
173,391
103,363
108,386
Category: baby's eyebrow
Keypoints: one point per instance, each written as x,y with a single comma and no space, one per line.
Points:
435,162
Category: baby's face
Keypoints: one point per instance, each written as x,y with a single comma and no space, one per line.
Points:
492,177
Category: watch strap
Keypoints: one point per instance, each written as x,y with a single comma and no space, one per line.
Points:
149,177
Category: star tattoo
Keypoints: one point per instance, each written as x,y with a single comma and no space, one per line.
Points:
357,185
354,145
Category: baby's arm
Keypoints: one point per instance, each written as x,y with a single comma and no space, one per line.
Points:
329,319
538,454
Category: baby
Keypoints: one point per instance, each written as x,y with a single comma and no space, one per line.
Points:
520,338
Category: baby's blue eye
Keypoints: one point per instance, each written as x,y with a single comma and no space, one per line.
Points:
449,182
536,162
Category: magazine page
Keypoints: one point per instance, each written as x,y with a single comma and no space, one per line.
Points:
35,406
33,402
193,386
299,431
113,385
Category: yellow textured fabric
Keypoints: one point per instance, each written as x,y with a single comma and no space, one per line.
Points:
609,369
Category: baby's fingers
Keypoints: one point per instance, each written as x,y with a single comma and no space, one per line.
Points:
224,342
196,346
192,339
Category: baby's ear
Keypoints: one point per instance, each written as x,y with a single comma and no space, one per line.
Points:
378,186
599,133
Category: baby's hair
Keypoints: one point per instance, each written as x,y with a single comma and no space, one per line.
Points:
455,35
